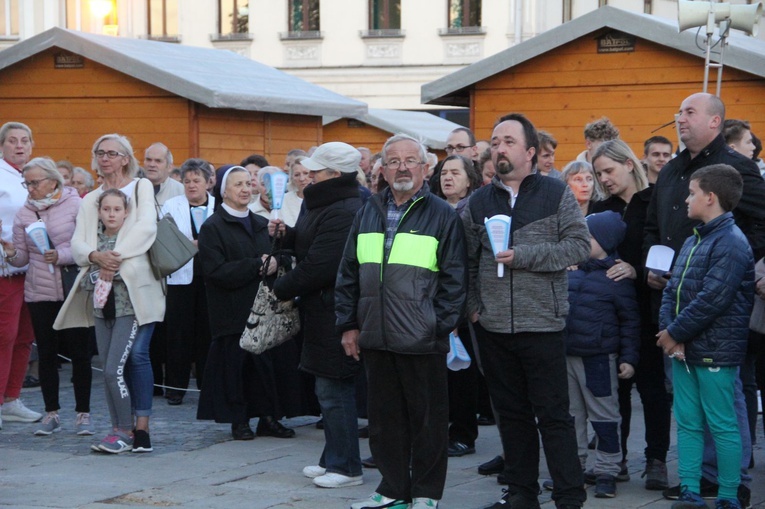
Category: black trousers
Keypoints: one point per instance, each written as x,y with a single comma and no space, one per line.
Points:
463,395
187,330
48,342
649,378
528,384
408,422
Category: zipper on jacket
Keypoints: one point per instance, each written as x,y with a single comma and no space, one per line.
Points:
555,299
385,262
685,269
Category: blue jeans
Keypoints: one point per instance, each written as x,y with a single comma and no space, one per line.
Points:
337,398
140,377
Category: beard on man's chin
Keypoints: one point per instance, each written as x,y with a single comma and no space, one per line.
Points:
504,167
403,186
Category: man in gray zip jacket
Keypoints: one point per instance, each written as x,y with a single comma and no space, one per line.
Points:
519,318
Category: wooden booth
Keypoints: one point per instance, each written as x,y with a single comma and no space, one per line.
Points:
633,68
71,87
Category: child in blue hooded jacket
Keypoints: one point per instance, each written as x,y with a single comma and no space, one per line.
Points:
602,341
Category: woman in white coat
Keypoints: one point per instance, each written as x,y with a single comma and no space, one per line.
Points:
186,320
113,159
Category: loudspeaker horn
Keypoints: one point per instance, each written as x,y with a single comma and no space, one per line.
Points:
696,14
746,17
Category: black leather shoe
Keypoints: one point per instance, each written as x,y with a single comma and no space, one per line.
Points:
242,431
174,400
493,466
457,449
369,462
270,427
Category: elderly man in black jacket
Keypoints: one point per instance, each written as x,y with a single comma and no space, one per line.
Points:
400,291
318,239
700,122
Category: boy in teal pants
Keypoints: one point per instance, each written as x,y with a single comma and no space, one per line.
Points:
704,324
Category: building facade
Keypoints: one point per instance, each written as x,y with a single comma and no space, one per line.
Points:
377,51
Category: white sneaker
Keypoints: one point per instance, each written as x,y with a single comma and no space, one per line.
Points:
333,480
314,471
49,425
424,503
15,411
377,500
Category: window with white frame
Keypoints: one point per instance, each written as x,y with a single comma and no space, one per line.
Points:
304,16
163,19
9,19
94,16
464,13
233,18
385,14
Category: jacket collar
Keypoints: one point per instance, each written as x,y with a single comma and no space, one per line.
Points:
256,224
594,264
381,199
528,182
721,221
715,146
331,191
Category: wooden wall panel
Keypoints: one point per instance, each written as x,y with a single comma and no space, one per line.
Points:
66,128
228,136
564,89
356,134
36,77
68,109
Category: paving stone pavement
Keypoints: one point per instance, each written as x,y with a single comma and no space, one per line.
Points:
196,464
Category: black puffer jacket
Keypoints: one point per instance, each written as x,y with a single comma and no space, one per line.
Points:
318,240
707,303
410,302
667,221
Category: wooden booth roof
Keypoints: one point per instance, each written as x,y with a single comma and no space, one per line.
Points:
211,77
428,128
743,53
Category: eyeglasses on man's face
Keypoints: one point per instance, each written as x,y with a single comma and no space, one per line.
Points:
33,183
409,164
457,148
111,154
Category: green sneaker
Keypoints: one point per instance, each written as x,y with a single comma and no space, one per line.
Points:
424,503
377,501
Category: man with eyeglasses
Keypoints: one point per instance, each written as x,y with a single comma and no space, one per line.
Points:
461,141
157,162
16,334
400,291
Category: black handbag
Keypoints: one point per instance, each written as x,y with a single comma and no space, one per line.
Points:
68,276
